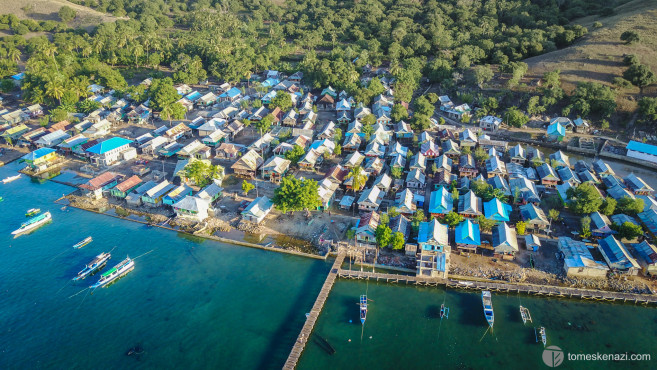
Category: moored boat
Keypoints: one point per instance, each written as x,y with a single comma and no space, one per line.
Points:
363,309
93,266
121,269
84,242
9,179
487,302
444,311
32,211
526,316
33,223
541,332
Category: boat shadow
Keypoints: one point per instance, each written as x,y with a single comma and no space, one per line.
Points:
472,313
433,312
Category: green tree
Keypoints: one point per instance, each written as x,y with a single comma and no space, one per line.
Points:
358,178
481,74
452,219
399,113
296,195
534,107
630,37
392,212
398,241
648,108
584,199
282,100
485,225
66,14
418,217
173,111
396,172
202,172
247,187
480,155
628,230
295,154
162,94
423,106
608,206
521,227
629,206
514,117
383,235
640,75
264,124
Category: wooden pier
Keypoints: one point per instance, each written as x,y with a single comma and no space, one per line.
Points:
530,289
307,329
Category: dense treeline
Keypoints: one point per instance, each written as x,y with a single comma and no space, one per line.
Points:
329,40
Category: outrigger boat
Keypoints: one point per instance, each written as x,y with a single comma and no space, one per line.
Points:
444,311
488,307
32,211
363,309
33,223
93,266
541,332
115,272
524,313
84,242
9,179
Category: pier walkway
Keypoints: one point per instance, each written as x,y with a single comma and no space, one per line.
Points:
307,329
540,290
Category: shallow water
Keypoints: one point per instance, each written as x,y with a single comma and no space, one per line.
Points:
191,303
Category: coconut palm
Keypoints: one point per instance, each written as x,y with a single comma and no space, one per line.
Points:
55,89
358,178
14,54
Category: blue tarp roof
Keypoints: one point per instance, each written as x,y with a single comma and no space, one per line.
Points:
233,92
37,154
467,232
18,76
642,147
107,145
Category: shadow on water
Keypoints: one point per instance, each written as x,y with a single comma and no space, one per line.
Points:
472,311
350,309
279,348
433,312
513,312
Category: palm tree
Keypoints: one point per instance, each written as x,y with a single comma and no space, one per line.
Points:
167,112
50,51
55,89
138,51
358,178
14,54
79,85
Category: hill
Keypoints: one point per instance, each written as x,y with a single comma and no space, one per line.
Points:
598,57
42,10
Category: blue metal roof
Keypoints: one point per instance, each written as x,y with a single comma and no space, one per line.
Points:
109,144
467,232
37,154
233,92
556,129
642,147
494,209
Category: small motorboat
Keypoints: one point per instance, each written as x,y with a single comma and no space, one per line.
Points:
33,223
84,242
541,332
115,273
9,179
487,302
363,309
93,266
525,315
32,212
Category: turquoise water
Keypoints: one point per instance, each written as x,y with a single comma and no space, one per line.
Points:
189,303
404,331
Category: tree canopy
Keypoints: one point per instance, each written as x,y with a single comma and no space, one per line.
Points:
584,199
295,195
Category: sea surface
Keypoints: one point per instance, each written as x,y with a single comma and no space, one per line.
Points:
197,304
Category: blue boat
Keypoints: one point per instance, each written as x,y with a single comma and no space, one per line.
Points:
486,299
363,309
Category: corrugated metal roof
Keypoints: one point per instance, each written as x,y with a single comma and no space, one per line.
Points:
642,147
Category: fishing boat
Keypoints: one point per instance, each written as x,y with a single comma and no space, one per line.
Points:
488,307
84,242
33,223
541,332
9,179
93,266
526,316
444,311
32,212
363,309
115,272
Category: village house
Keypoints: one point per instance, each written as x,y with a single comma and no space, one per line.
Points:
248,164
52,139
642,151
111,151
467,166
405,202
370,199
366,229
375,149
467,138
441,202
451,149
490,123
469,205
415,179
193,208
567,175
215,138
383,182
327,132
617,257
105,181
556,132
496,210
495,167
534,217
138,115
211,126
637,185
430,150
177,194
547,175
517,155
418,161
326,102
526,190
400,224
351,143
647,257
195,149
257,210
153,197
211,192
505,241
600,225
559,159
40,159
433,243
126,187
275,169
467,236
532,242
403,131
578,261
326,191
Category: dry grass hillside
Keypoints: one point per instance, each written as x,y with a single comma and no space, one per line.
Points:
41,10
598,57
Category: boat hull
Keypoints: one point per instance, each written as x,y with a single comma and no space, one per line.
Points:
33,226
92,268
121,273
487,303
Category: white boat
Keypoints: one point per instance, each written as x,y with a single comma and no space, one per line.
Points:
541,332
93,266
9,179
84,242
487,302
33,223
115,272
526,316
